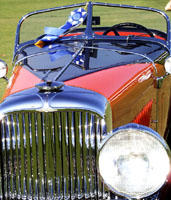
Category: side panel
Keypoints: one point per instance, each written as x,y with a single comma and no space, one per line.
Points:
137,101
164,95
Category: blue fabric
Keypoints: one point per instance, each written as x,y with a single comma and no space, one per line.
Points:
61,51
75,19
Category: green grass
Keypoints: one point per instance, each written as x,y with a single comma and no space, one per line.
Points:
12,10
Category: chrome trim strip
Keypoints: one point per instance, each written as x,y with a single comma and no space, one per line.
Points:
70,98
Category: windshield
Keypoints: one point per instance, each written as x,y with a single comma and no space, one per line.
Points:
88,37
104,15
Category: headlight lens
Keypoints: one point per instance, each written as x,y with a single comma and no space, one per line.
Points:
3,69
168,65
134,161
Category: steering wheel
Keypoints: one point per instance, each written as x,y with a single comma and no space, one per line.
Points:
128,24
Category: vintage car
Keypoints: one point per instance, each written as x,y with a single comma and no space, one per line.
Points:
86,112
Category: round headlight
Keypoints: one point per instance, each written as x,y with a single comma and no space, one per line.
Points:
167,65
134,161
3,69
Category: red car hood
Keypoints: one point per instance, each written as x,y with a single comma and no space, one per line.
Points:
112,82
109,82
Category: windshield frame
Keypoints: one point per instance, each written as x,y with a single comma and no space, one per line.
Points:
89,35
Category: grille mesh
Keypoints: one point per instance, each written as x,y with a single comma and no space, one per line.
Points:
50,155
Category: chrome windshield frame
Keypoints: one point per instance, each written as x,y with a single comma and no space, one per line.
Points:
88,34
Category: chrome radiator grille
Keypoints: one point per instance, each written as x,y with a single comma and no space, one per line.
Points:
50,155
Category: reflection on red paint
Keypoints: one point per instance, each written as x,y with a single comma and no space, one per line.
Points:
144,116
21,79
112,82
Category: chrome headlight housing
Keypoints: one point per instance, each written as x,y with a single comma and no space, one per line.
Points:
134,161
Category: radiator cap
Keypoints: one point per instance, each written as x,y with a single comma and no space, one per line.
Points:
50,86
